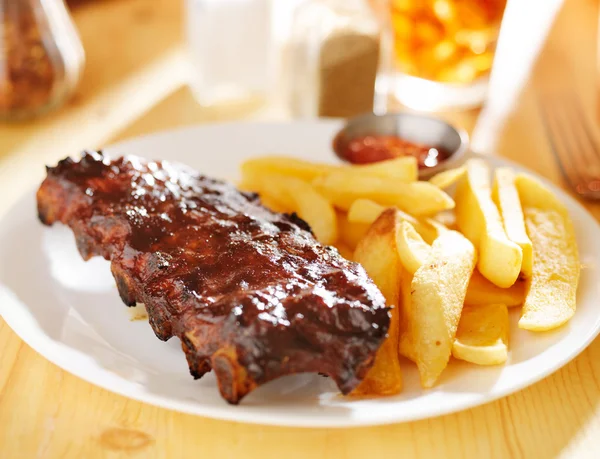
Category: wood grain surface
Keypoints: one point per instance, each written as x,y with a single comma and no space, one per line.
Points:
134,85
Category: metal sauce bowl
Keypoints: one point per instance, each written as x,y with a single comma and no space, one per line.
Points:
416,128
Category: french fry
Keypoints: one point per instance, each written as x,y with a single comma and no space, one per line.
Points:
481,292
433,227
414,253
273,192
377,253
446,219
438,292
447,178
276,206
406,343
350,233
412,249
286,193
283,165
275,203
403,169
504,194
550,298
367,211
423,255
313,208
417,198
482,335
479,220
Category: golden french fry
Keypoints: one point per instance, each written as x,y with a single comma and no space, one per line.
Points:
350,233
313,208
271,191
404,169
434,228
482,335
367,211
290,194
438,292
283,165
481,292
478,218
550,298
406,343
412,249
377,253
504,194
414,252
270,203
417,198
447,178
446,219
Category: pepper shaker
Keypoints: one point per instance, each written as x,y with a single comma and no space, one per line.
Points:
335,54
41,57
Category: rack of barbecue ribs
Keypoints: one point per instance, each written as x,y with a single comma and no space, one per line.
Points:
250,293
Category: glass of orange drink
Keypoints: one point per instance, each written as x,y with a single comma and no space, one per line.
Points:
443,51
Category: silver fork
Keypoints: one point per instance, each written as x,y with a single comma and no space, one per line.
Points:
573,143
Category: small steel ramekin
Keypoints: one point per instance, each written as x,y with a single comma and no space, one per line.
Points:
413,127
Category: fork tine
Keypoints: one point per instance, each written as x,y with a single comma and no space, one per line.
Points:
556,144
579,153
586,150
585,128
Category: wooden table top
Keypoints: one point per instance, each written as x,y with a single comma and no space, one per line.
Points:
131,88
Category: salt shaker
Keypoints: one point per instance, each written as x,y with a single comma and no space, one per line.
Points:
41,57
230,48
336,50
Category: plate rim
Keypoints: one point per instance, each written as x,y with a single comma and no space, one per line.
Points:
127,388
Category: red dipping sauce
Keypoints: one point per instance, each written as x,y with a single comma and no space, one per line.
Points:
374,148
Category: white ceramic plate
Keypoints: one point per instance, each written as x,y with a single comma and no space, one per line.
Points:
69,310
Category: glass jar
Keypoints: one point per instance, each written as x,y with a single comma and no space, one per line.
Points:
336,52
444,51
230,47
41,57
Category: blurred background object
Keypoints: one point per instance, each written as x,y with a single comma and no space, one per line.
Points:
444,51
230,46
573,143
335,53
315,58
525,29
41,57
